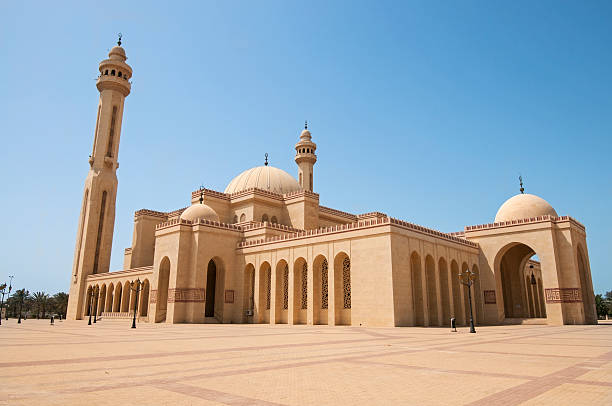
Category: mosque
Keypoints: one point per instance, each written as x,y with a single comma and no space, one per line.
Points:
265,251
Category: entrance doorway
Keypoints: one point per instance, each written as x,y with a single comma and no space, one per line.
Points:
521,277
211,281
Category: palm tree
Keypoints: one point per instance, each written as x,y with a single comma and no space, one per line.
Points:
40,299
21,297
60,303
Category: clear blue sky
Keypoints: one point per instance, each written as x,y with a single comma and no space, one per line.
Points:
427,111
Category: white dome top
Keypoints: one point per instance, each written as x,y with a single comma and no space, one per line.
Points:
266,178
524,206
199,211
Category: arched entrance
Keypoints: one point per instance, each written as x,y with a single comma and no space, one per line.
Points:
586,287
281,301
211,286
163,280
432,304
265,292
444,291
521,295
300,291
417,289
342,289
321,290
249,292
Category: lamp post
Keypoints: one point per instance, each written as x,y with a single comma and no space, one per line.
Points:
467,278
9,293
96,291
136,288
2,290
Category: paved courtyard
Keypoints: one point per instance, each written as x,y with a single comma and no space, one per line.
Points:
110,364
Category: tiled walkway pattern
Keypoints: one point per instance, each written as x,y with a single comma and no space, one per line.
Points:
110,364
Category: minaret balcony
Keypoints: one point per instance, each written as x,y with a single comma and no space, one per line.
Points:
120,84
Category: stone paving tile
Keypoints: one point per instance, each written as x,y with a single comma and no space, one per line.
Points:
109,363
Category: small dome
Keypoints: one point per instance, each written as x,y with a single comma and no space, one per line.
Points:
524,206
305,135
264,177
117,53
199,211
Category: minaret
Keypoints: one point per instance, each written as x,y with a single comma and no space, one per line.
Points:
305,158
97,220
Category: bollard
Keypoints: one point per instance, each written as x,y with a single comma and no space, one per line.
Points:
453,325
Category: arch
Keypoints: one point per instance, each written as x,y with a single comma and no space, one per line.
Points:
444,291
466,300
320,268
110,296
119,74
102,301
248,282
106,72
210,289
342,289
431,289
586,287
242,218
281,299
265,292
126,298
113,72
118,297
235,218
273,220
300,291
144,298
417,289
515,278
541,296
264,218
163,281
477,296
89,301
458,313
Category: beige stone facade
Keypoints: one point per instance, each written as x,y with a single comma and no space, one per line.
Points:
266,251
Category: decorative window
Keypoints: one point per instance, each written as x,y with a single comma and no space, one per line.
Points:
286,288
301,184
111,136
99,238
304,286
274,220
346,282
113,72
324,292
242,217
268,287
119,75
264,218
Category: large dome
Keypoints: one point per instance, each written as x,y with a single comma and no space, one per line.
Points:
266,178
524,206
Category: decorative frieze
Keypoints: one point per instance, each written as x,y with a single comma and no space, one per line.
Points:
186,295
489,297
563,295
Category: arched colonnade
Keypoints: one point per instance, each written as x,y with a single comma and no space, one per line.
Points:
280,293
118,298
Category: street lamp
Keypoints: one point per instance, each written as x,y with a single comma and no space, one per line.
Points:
9,293
533,279
137,289
3,291
467,278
